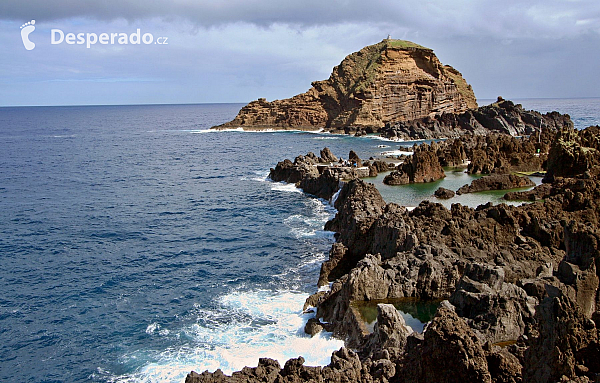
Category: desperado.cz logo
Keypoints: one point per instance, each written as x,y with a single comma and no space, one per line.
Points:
57,36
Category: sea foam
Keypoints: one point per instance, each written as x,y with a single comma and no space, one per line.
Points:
248,325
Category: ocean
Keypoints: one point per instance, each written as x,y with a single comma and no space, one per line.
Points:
136,246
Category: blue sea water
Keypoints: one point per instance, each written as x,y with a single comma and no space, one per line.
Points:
137,246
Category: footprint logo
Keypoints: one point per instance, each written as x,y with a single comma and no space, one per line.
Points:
26,29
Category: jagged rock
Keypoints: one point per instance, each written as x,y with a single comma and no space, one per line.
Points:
450,352
345,366
383,166
396,178
496,182
504,367
494,262
329,269
354,159
393,80
502,117
358,205
313,327
579,269
444,193
293,172
567,345
327,156
390,330
422,166
497,311
324,186
537,193
574,154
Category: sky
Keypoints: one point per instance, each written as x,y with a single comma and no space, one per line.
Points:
240,50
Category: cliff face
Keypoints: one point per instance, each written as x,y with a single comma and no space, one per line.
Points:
391,81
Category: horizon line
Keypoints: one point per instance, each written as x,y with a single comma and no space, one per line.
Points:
246,102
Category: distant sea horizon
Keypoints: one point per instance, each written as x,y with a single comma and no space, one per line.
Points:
480,102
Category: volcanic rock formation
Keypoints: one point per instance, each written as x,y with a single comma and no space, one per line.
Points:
390,81
502,116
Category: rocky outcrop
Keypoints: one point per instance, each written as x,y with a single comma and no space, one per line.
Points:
521,286
345,366
500,117
294,172
494,264
449,352
496,182
566,346
327,156
497,311
359,204
575,154
318,176
393,80
444,193
422,166
324,186
503,154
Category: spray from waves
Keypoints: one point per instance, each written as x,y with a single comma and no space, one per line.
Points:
398,152
258,176
306,226
267,130
285,187
246,326
246,323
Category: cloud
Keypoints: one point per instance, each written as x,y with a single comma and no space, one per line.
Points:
483,18
225,51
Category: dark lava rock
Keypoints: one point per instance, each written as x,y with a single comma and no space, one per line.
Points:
450,352
327,156
324,186
575,153
496,182
502,116
422,166
539,192
354,159
313,327
524,282
444,193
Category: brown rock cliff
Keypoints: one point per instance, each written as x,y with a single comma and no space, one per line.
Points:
390,81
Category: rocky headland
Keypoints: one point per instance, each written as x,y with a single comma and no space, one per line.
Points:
388,82
518,285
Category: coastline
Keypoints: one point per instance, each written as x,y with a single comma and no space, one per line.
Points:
364,223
